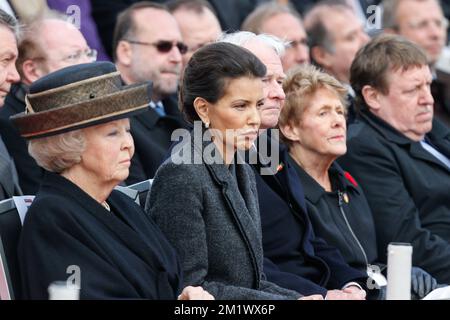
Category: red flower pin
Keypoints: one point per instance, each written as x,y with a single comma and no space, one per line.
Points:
350,178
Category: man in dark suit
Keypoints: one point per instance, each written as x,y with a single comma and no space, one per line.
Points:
399,154
294,257
47,45
423,22
148,47
9,185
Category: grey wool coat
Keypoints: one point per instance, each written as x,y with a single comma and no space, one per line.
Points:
212,219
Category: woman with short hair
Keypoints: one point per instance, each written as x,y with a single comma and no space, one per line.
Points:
78,228
313,125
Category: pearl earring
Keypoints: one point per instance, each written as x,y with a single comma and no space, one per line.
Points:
206,125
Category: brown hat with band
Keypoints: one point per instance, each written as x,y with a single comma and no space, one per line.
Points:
77,97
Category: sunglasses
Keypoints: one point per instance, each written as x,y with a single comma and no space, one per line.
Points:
163,46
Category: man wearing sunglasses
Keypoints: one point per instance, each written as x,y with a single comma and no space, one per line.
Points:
47,45
148,46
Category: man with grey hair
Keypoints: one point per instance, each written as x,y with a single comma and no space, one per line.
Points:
268,49
335,35
48,44
9,185
423,22
420,21
294,257
285,23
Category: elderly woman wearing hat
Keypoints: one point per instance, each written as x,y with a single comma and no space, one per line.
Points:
78,228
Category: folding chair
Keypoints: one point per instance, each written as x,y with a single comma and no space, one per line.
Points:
10,227
143,188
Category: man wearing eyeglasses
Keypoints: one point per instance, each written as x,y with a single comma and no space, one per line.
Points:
148,46
423,22
47,45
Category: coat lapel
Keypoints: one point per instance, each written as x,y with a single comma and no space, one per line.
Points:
241,201
148,118
288,176
245,216
126,231
418,152
439,136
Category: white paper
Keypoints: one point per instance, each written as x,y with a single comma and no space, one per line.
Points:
439,294
399,271
22,204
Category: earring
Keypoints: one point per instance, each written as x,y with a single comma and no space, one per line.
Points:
206,125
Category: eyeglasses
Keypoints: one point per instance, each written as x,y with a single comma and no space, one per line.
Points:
163,46
89,53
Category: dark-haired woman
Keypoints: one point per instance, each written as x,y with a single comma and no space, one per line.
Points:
207,206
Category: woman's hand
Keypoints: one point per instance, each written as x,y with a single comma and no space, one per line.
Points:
195,293
355,292
350,293
312,297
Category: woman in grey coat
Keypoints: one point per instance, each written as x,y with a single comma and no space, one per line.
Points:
204,197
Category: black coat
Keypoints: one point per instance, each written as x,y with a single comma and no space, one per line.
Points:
295,257
351,230
120,254
30,174
407,189
152,139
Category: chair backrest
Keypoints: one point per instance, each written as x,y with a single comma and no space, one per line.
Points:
10,227
133,194
143,188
